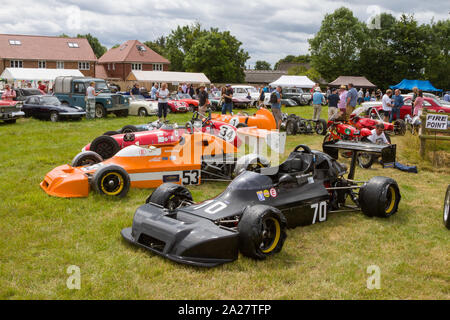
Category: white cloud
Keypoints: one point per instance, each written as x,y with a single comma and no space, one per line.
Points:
269,30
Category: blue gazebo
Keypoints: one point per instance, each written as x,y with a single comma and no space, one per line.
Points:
423,85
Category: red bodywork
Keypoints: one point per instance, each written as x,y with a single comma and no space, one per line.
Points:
345,131
178,106
163,136
8,103
369,123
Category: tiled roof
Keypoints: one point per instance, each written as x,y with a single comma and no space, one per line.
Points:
263,76
128,52
45,48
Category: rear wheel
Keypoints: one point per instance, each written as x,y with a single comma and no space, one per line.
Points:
111,180
321,127
191,108
86,158
142,112
105,146
100,111
365,160
129,128
170,196
447,208
399,127
379,197
110,133
262,231
291,127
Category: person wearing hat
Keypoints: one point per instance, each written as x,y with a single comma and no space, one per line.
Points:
227,97
9,94
202,99
317,103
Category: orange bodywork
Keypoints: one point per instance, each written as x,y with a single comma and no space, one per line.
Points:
147,167
262,119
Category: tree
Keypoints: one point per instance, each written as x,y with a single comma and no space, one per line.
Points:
377,55
311,73
96,46
262,65
115,46
159,45
217,54
335,48
303,58
179,42
437,66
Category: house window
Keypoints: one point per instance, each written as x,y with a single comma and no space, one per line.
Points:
72,45
136,66
15,42
16,64
114,66
109,67
84,66
59,64
157,67
42,64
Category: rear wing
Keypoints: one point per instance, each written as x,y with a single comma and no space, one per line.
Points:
386,151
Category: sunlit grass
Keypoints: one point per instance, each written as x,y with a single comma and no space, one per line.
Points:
43,235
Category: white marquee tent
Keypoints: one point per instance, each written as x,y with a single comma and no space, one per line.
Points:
19,76
293,81
170,77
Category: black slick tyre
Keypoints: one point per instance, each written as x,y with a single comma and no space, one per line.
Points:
111,180
379,197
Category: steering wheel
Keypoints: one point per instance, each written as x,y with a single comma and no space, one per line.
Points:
305,148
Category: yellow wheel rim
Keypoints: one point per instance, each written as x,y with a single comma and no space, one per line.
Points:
111,176
276,238
393,200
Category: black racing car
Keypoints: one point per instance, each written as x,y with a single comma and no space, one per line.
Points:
252,214
50,108
294,124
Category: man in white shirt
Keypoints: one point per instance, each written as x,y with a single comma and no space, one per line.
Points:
90,100
387,105
378,135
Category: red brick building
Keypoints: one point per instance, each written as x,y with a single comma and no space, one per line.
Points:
117,63
22,51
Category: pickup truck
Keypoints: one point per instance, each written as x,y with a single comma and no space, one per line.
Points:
72,91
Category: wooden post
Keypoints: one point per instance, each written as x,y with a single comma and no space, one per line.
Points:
422,132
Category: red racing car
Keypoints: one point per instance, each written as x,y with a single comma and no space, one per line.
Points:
166,134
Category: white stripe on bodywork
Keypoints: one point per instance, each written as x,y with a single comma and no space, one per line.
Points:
151,176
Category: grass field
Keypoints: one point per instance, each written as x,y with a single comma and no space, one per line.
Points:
42,235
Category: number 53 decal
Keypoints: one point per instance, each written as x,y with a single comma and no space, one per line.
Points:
191,177
320,211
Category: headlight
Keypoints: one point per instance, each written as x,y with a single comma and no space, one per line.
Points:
3,110
108,102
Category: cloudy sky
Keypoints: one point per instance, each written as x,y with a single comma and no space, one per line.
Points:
269,30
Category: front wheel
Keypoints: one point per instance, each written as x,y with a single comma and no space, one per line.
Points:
399,127
321,127
379,197
142,112
170,196
54,116
86,158
262,231
111,180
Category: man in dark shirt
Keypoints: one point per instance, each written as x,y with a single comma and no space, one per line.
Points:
202,99
333,100
398,104
135,90
227,100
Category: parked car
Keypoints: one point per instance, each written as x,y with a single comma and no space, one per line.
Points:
10,111
176,106
192,103
297,94
215,100
46,107
429,103
248,92
22,94
71,91
139,106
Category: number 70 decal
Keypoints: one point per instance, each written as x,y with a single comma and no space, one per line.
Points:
320,209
